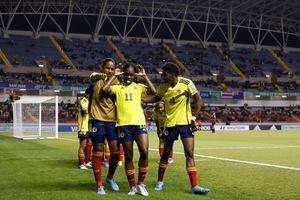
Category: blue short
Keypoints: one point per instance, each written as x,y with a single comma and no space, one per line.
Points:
84,134
102,130
129,133
184,131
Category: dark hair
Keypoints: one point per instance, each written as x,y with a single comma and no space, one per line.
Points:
105,61
127,65
88,91
171,68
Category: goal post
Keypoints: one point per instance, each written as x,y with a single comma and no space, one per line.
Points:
35,117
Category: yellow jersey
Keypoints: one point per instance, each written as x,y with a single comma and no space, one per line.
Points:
159,117
83,115
128,104
177,101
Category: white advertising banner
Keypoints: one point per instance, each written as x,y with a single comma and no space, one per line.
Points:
232,127
290,127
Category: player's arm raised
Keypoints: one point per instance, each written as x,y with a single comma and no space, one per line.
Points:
96,76
106,86
143,74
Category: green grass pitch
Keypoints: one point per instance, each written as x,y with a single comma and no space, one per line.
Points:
234,165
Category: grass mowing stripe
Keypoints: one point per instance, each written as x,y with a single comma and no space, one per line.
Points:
223,159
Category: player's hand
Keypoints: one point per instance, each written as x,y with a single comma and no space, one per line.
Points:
141,70
96,76
119,65
193,126
118,72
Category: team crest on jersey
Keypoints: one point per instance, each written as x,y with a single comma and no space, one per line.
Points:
134,87
178,91
121,135
166,132
94,129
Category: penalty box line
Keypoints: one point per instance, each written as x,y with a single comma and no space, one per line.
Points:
222,159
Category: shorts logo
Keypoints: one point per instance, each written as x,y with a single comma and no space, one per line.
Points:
166,133
121,134
94,129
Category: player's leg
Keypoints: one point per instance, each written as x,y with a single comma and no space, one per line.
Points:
163,163
170,159
126,138
161,143
112,139
106,158
129,167
87,152
188,145
98,132
143,146
121,155
98,149
171,134
82,142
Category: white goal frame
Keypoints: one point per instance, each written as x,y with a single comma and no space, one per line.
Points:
38,129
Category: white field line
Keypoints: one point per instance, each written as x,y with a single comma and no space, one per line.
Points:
224,148
223,159
67,139
201,160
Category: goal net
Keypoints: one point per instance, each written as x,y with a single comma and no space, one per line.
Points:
35,117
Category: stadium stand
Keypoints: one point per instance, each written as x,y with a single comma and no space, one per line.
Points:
202,63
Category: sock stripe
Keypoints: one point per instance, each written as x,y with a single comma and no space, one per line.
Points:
143,169
130,171
191,169
98,153
163,165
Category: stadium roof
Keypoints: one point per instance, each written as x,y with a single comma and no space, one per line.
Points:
257,22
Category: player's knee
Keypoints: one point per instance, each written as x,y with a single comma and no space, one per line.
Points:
128,157
144,155
189,155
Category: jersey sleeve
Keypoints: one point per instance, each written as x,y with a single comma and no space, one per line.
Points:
143,88
97,87
192,88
